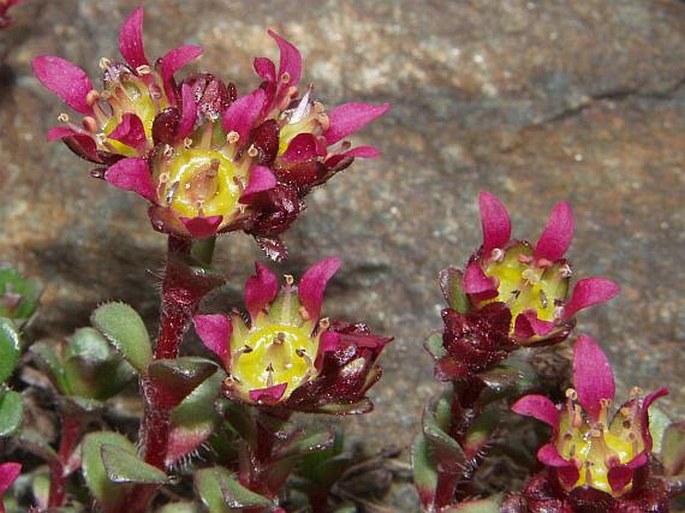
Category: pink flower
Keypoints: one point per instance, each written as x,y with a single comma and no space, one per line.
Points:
207,160
588,448
118,121
532,280
287,355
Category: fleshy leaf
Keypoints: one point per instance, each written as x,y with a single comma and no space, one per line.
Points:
221,492
125,330
489,505
123,466
425,470
593,378
108,493
495,222
11,412
451,285
174,379
10,348
557,236
18,296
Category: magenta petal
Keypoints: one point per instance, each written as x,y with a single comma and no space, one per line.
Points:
350,117
588,292
265,68
174,60
215,332
131,40
261,179
260,290
528,325
475,280
132,174
557,236
620,476
566,470
202,227
8,474
242,114
593,378
539,407
189,113
66,80
61,131
312,285
79,142
130,131
290,61
269,395
495,222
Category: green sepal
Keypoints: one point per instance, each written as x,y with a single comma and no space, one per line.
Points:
450,280
673,449
433,345
18,296
10,348
110,495
221,492
11,412
124,329
123,466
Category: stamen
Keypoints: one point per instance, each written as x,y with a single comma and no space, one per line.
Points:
497,255
285,77
63,117
187,142
104,63
324,323
168,151
90,124
565,271
232,137
92,97
143,70
252,151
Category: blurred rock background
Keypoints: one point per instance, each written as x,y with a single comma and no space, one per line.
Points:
535,101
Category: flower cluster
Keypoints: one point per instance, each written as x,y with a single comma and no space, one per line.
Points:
208,160
287,355
512,293
589,448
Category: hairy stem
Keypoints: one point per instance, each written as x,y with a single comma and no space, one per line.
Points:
71,431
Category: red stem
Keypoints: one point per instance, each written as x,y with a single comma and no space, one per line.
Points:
71,431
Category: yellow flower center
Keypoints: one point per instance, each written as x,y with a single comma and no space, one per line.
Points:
275,354
524,284
200,183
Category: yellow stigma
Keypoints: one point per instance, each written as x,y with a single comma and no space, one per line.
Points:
275,354
200,182
524,284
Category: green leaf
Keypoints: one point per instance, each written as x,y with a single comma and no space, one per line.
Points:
307,442
108,493
447,450
673,449
44,354
221,492
425,469
658,423
10,348
92,369
125,330
123,466
36,443
433,345
18,296
451,285
176,378
11,412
